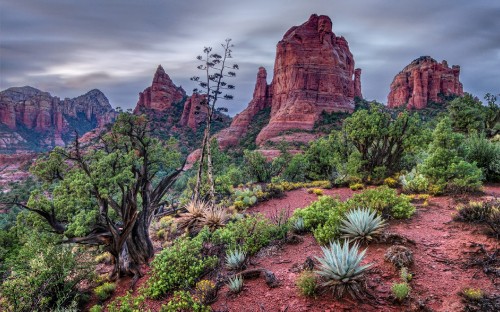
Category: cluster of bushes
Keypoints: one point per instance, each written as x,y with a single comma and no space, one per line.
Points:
324,216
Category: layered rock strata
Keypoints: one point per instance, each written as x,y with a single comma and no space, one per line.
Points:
424,80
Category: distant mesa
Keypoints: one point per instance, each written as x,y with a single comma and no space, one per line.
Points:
424,80
33,120
313,72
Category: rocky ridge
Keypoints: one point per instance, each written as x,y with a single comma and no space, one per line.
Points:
33,120
424,80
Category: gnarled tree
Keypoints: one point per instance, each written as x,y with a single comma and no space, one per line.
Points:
107,194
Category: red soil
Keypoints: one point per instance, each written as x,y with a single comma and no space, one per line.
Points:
442,247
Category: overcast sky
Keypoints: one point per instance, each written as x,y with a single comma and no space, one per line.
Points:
70,47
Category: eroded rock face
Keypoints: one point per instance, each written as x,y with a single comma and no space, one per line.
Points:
313,72
161,95
194,112
423,81
241,122
35,120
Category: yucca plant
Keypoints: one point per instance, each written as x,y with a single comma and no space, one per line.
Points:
215,217
362,225
235,259
235,284
298,225
341,269
194,217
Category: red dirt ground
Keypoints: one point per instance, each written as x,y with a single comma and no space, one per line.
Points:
442,247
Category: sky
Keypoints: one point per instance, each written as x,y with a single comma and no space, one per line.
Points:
70,47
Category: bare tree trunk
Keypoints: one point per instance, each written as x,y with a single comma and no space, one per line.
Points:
196,193
210,175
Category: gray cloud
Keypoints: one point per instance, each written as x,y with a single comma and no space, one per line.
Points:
69,47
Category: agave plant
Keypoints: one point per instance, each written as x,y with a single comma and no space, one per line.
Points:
362,224
341,269
193,218
298,225
235,284
235,259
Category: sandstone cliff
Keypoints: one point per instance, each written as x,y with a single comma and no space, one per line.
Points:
161,94
424,80
313,72
33,120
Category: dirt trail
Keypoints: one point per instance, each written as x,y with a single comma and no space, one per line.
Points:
441,250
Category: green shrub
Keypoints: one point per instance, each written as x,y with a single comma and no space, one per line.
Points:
323,217
250,233
96,308
474,211
414,182
105,291
179,265
400,290
256,166
473,293
128,303
385,200
391,182
105,257
485,154
206,292
307,284
183,301
356,186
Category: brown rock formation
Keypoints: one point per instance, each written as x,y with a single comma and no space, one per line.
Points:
194,112
241,122
313,72
161,95
37,112
424,80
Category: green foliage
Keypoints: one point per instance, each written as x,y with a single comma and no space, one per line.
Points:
362,224
323,217
400,290
96,308
256,166
445,167
296,170
235,284
485,154
384,200
405,276
247,197
128,303
206,291
44,276
179,265
467,114
250,233
105,291
341,269
307,284
381,138
473,293
183,301
414,182
235,259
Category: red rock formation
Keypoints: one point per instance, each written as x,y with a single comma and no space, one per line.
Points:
194,112
50,117
241,122
313,72
423,80
161,95
357,83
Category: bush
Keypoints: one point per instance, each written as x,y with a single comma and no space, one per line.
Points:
179,265
485,154
206,292
414,182
473,293
315,191
105,257
356,186
96,308
250,233
183,301
391,182
127,303
256,166
473,212
385,200
105,291
306,282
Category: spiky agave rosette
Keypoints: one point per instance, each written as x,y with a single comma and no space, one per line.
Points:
362,225
341,269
